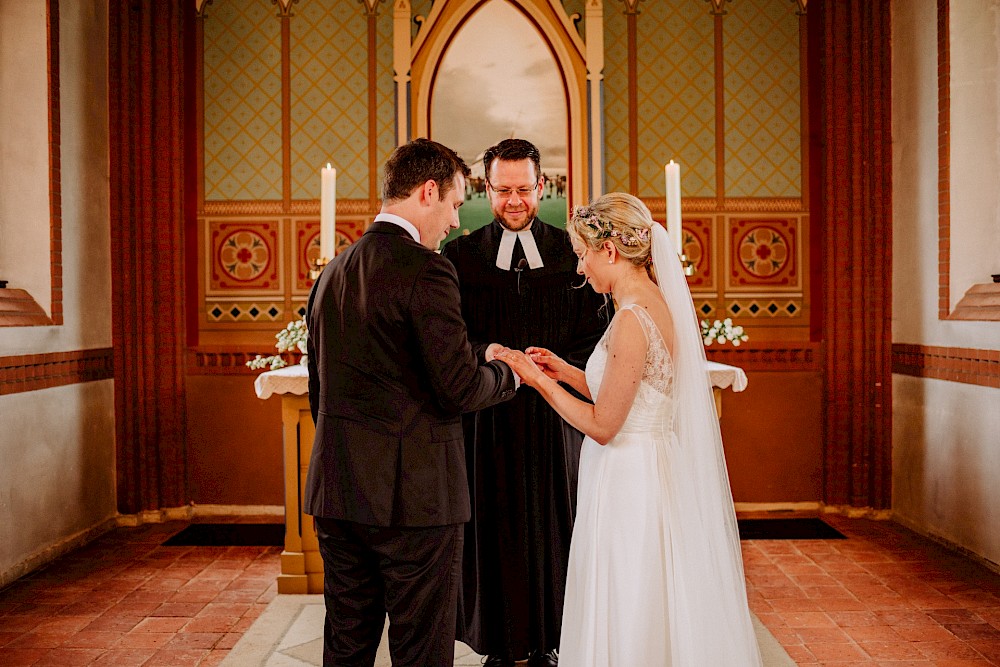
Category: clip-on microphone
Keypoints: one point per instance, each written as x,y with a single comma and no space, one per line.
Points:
520,267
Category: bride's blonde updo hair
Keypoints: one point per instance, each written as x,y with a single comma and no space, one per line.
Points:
617,217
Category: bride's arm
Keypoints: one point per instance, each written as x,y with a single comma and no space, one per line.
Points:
604,418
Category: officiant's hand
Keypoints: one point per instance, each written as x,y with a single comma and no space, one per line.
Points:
521,364
549,363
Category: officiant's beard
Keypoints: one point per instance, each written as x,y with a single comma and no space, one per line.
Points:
514,223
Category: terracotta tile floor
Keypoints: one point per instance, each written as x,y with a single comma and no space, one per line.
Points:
882,597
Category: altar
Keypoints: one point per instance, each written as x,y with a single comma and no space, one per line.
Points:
301,564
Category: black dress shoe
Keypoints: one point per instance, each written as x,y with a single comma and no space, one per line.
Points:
497,661
539,659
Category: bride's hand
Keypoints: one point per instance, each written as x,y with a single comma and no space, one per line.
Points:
521,364
548,362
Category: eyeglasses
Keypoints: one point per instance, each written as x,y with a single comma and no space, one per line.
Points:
505,193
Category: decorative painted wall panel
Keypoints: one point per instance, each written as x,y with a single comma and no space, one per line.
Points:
615,98
764,252
329,96
243,256
762,99
242,101
306,249
676,96
697,239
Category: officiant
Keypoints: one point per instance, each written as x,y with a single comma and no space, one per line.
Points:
519,286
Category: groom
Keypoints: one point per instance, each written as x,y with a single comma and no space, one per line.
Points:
390,372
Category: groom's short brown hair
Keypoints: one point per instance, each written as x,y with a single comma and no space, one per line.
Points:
413,164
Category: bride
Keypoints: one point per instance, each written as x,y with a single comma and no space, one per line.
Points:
655,570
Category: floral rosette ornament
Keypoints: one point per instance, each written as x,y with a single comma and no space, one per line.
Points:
291,338
721,332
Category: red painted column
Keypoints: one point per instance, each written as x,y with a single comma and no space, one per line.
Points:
146,116
853,207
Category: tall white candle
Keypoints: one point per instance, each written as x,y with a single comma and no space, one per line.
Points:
328,212
673,175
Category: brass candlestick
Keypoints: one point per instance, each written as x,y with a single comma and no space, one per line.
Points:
316,267
687,265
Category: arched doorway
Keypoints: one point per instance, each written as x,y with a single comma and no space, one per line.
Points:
551,25
498,79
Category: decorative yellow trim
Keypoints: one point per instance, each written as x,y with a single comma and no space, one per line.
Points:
284,7
371,6
631,7
200,6
595,73
401,66
717,6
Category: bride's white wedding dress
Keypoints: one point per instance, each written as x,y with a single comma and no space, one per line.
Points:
650,584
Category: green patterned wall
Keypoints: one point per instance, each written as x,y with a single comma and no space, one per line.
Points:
615,98
676,84
329,96
242,101
385,110
763,99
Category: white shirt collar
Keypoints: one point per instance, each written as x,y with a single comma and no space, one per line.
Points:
506,253
402,222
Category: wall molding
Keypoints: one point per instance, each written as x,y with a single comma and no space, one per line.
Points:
228,359
658,205
953,364
780,356
31,372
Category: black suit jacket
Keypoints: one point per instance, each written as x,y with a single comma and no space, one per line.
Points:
390,372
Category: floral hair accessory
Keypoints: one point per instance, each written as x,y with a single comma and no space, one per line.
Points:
604,230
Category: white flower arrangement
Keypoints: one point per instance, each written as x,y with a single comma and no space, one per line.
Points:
720,332
291,338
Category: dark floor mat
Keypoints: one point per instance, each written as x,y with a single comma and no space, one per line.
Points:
787,529
229,535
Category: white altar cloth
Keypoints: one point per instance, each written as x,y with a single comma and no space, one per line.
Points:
295,379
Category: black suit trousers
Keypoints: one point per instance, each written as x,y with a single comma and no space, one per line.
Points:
411,574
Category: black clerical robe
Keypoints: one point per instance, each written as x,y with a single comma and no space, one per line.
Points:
522,458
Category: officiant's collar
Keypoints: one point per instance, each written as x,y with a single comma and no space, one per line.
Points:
505,255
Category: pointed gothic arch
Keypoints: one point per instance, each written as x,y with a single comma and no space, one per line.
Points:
556,29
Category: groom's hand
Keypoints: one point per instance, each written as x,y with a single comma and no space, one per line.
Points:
492,349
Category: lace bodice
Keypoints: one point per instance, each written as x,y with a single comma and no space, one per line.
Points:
653,401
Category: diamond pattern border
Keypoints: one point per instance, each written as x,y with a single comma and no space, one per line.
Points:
244,311
761,308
